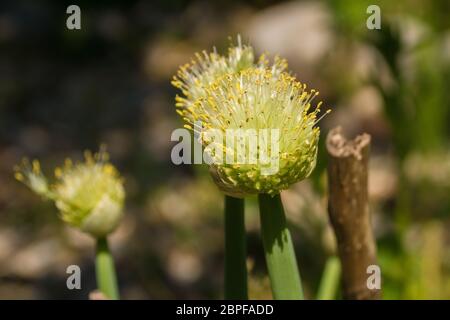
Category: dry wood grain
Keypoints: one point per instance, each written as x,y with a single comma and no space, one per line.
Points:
348,209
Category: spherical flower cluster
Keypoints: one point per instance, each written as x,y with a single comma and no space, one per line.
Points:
235,93
194,78
89,195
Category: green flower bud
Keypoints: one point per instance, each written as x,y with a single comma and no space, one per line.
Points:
89,195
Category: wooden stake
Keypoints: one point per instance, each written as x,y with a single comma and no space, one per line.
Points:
348,209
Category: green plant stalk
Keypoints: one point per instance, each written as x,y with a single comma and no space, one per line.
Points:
235,250
330,279
279,250
105,270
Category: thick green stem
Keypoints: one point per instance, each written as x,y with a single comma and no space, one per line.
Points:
330,279
279,250
105,271
235,250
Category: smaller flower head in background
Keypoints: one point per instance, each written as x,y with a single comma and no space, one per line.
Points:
89,195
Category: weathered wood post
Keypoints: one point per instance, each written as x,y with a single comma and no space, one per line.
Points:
348,209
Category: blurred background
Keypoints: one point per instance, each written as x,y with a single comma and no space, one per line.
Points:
64,91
